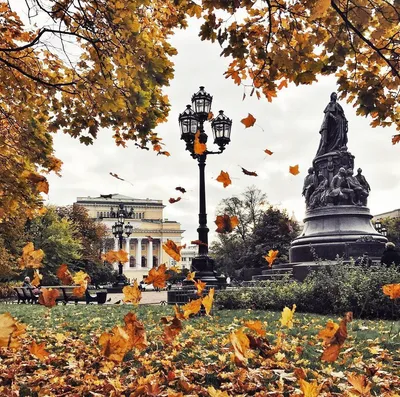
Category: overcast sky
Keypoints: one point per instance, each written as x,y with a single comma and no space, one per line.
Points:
288,127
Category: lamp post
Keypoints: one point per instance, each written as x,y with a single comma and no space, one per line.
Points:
118,231
191,121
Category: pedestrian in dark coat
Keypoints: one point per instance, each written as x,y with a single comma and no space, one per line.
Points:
390,255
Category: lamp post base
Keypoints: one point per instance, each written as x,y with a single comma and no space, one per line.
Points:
204,268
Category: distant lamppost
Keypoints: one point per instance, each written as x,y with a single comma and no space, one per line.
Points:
380,229
191,121
118,231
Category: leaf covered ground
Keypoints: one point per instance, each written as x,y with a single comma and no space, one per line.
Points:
61,355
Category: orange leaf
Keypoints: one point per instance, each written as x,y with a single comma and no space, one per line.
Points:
200,285
115,344
248,121
135,331
193,307
173,250
157,276
224,178
10,331
172,330
38,350
396,139
282,84
48,297
167,154
360,383
210,116
270,258
199,148
268,152
328,332
241,344
331,353
250,173
181,189
64,275
178,313
190,276
132,294
208,301
37,277
31,258
116,256
173,200
226,223
294,170
81,279
216,393
392,290
257,326
310,389
198,242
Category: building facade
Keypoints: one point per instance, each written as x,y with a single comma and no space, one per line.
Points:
150,230
187,255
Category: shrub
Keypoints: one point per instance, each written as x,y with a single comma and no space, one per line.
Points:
332,289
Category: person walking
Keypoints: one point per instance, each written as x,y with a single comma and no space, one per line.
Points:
390,255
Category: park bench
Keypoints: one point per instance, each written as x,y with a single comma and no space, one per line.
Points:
66,295
25,295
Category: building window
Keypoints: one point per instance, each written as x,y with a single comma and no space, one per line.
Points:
155,261
132,262
144,261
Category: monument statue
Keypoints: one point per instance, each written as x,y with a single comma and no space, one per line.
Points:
309,185
360,193
362,180
112,213
319,196
333,129
121,211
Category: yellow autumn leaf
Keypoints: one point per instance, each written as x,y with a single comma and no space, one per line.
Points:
287,317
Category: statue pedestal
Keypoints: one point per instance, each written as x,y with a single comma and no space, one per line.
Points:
344,230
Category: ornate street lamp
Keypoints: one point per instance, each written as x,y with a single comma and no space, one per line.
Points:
378,225
384,232
118,232
191,120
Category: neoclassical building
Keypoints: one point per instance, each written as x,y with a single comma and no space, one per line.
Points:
150,230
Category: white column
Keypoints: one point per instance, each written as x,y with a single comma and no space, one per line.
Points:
139,253
116,244
150,254
127,249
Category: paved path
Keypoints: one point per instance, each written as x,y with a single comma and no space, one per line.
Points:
147,297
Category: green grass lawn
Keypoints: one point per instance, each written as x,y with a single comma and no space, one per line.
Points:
206,340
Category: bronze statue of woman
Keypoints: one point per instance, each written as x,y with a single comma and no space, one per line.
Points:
333,129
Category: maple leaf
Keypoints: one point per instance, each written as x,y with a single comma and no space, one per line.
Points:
157,276
116,256
173,200
216,393
167,154
224,178
310,389
64,275
48,297
190,276
287,317
320,9
198,242
241,344
181,189
200,286
38,350
208,300
360,383
116,176
395,139
199,148
37,277
178,313
257,326
248,121
271,257
268,152
175,269
328,332
10,331
392,290
192,307
171,330
173,250
226,223
294,170
132,294
81,279
210,116
135,331
31,258
114,345
283,83
250,173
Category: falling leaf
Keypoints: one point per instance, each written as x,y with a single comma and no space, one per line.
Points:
167,154
172,329
81,279
210,116
48,297
193,307
149,238
328,332
200,286
157,276
270,258
190,276
175,269
38,350
173,200
37,277
208,300
248,121
360,383
250,173
115,256
181,189
396,139
241,344
173,250
116,176
392,290
64,275
294,170
310,389
136,332
198,242
226,223
132,294
114,345
199,148
224,178
31,258
257,326
282,84
268,152
287,317
10,331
